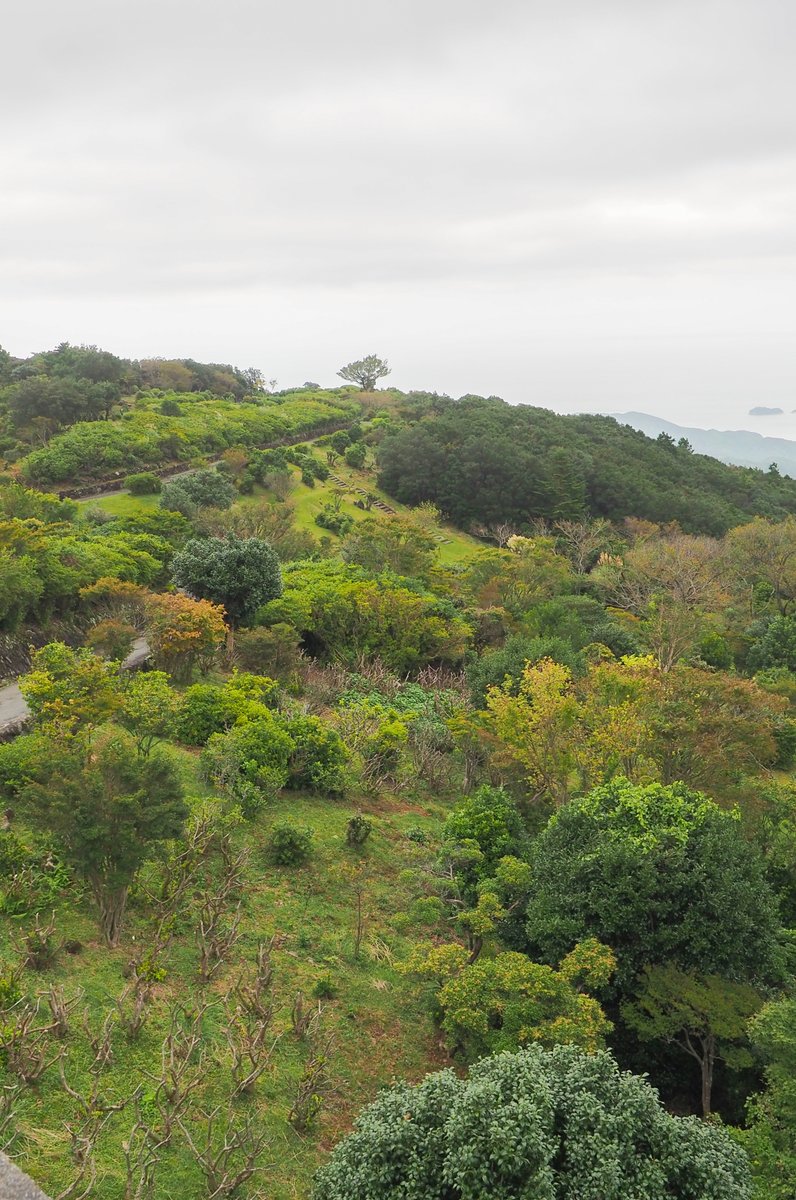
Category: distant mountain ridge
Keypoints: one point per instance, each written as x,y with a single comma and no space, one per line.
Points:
739,447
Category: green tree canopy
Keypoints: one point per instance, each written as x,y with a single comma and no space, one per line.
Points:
659,874
109,808
365,371
536,1125
242,574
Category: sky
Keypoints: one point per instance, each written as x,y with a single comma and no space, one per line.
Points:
588,205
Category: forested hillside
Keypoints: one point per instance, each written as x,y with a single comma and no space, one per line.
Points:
484,462
445,848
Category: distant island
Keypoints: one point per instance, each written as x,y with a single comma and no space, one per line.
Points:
738,447
761,411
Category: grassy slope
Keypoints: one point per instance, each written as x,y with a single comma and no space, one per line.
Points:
379,1031
454,546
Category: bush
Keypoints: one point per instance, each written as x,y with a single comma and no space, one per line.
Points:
198,489
358,830
112,639
250,756
289,846
334,520
555,1124
355,455
324,988
239,573
145,483
275,651
319,756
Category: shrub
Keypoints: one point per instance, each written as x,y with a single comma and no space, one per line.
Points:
358,830
324,988
250,756
319,756
335,521
355,455
112,639
275,651
289,846
198,489
145,483
239,573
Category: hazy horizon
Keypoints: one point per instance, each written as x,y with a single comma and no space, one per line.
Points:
588,206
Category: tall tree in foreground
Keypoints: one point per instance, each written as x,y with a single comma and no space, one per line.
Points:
552,1125
109,808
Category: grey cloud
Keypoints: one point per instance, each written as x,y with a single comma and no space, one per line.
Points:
447,156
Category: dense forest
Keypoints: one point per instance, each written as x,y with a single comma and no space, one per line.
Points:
484,462
445,845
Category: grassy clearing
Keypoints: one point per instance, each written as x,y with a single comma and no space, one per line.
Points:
454,546
122,505
378,1030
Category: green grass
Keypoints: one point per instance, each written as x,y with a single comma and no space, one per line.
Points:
379,1030
123,505
454,546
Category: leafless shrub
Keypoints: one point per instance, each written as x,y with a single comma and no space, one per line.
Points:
60,1008
301,1017
228,1152
253,991
321,686
93,1114
314,1081
134,1002
26,1042
9,1094
141,1157
250,1047
217,932
182,1069
101,1042
37,948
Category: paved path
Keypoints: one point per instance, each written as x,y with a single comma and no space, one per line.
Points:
16,1186
14,710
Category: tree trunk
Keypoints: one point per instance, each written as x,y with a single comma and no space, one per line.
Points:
706,1063
111,904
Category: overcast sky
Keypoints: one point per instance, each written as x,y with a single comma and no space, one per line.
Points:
584,204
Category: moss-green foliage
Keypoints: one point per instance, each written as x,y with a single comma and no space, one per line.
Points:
288,845
45,559
145,438
195,490
558,1125
661,850
483,461
367,1003
343,611
241,574
208,708
145,483
269,751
